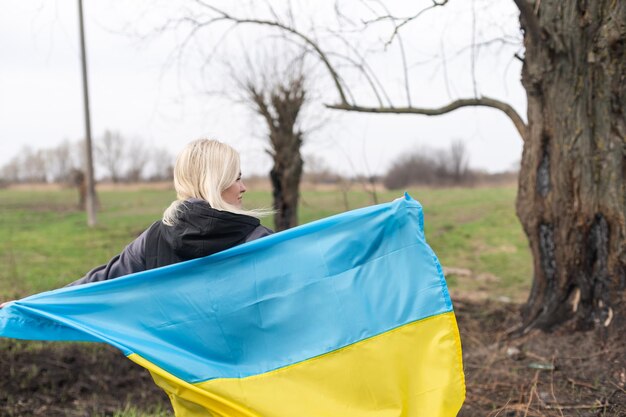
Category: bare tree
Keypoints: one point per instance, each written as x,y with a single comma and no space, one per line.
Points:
571,191
110,151
137,156
428,166
459,159
316,171
420,167
59,162
11,171
33,163
162,164
280,102
40,165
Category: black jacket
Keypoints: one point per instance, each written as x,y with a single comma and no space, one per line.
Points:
199,231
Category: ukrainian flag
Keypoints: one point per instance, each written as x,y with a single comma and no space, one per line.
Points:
348,316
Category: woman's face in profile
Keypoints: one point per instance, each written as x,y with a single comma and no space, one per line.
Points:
234,194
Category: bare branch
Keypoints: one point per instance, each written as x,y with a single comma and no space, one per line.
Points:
342,17
405,71
473,51
344,102
457,104
292,18
365,69
445,69
289,29
459,52
272,11
361,68
529,17
403,20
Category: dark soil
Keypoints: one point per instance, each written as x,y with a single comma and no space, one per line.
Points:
72,379
556,374
563,373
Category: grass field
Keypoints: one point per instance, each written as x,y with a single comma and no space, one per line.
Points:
44,242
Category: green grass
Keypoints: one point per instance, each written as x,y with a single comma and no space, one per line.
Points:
45,243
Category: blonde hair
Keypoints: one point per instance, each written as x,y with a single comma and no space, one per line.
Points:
203,169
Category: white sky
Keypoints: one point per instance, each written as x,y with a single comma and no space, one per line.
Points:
134,91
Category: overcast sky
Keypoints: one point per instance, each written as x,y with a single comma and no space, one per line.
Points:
138,90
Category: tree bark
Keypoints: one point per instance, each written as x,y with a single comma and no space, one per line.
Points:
280,105
572,188
285,176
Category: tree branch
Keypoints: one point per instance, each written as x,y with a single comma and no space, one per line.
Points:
293,31
368,78
457,104
403,20
529,17
365,69
345,105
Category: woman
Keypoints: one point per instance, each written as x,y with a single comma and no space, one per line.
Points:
206,217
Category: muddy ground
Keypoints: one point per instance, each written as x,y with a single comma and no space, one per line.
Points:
559,374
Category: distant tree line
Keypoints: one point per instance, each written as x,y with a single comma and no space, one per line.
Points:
439,167
118,159
424,166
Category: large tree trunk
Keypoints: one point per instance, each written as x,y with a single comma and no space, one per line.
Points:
572,190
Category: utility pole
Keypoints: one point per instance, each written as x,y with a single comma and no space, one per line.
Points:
90,201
